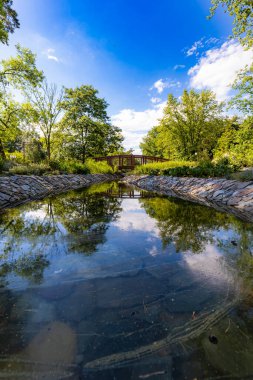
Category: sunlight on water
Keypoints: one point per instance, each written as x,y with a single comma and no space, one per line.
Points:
109,284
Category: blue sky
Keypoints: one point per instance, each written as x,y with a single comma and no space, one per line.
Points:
133,52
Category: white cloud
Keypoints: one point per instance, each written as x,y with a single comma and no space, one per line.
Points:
194,49
161,84
155,100
217,69
136,124
50,53
177,67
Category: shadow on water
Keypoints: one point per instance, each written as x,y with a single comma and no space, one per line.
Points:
112,283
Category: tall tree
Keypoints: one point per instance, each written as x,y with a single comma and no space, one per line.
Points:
45,99
190,126
86,125
8,20
242,12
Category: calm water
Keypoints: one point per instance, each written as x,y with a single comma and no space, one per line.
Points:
110,283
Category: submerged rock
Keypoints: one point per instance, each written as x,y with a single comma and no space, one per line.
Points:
233,350
50,355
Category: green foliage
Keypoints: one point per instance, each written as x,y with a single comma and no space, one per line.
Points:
44,100
243,100
8,20
189,128
75,167
236,143
203,169
30,169
242,12
21,69
188,169
98,167
86,130
69,167
158,168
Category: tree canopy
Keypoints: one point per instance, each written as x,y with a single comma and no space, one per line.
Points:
86,126
242,12
8,20
189,128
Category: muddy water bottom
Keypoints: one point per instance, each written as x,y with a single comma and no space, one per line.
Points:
113,283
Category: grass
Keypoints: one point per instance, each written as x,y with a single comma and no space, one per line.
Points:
158,168
207,169
59,167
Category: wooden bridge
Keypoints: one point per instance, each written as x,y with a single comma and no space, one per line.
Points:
129,161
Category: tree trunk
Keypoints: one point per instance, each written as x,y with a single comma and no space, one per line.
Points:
48,148
2,154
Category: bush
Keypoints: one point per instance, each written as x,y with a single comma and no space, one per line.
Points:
100,167
15,157
204,169
221,168
30,169
158,168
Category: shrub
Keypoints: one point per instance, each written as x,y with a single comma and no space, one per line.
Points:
30,169
100,167
204,169
158,168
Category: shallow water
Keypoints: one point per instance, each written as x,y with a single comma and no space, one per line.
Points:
113,283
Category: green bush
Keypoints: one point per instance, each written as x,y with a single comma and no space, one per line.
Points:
30,169
204,169
99,167
158,168
221,168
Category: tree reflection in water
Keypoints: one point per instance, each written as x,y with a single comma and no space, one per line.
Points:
74,222
190,227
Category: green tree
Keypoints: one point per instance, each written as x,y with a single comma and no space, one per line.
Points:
20,70
86,129
9,121
243,84
242,12
190,126
8,20
44,100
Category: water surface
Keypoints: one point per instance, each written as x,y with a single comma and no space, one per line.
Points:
112,283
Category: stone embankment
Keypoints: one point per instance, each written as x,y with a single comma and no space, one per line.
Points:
224,195
19,189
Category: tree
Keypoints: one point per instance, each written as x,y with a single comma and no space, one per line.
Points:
190,126
8,20
20,70
242,12
9,120
243,84
85,125
45,99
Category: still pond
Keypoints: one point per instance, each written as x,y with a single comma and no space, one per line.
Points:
112,283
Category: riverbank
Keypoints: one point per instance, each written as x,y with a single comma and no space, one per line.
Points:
224,195
15,190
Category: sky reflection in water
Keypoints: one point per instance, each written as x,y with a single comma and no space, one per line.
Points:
98,287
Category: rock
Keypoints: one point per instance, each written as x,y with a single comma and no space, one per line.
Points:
50,355
233,350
